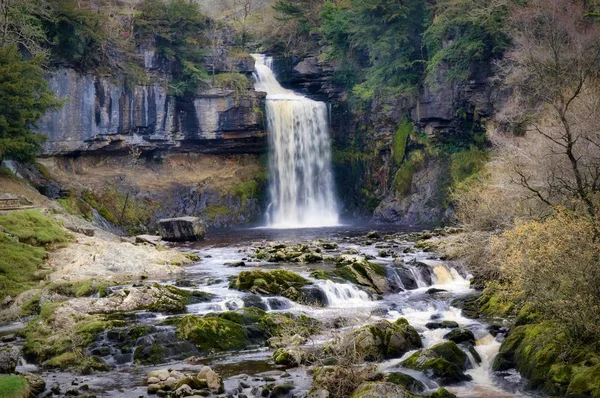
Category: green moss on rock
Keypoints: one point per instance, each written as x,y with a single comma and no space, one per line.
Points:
277,282
445,362
212,334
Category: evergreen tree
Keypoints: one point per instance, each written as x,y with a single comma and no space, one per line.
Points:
24,98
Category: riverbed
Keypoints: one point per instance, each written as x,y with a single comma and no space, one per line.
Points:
434,284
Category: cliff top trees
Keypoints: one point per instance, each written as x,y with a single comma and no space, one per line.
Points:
178,28
24,98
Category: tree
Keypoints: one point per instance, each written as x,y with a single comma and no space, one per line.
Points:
21,24
555,70
24,98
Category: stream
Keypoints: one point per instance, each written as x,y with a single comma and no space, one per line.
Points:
243,370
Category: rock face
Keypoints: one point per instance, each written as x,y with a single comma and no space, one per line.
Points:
104,115
9,358
182,229
421,206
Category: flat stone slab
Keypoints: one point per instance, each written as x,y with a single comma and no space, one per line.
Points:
181,229
151,239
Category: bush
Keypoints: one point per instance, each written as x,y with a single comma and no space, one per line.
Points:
554,263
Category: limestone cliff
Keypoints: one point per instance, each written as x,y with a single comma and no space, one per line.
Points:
107,113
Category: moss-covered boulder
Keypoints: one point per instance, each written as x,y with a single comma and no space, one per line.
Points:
408,382
461,335
358,270
275,283
445,362
213,334
58,338
536,351
381,390
380,340
292,356
442,393
154,297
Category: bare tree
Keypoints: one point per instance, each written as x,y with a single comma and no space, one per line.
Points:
555,69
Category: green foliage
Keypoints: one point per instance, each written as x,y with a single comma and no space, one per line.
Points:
463,32
237,82
465,165
178,28
387,31
404,175
24,98
13,387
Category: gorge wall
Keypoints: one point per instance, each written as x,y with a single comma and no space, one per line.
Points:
373,179
132,153
109,123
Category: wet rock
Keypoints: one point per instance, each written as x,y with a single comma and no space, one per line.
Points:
235,264
379,390
381,339
461,336
328,245
37,385
372,235
181,229
441,325
213,380
8,338
442,393
9,358
358,270
168,380
73,391
212,334
282,390
254,300
408,382
277,303
185,283
313,295
277,282
433,291
445,362
183,391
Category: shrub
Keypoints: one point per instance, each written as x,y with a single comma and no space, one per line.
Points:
554,263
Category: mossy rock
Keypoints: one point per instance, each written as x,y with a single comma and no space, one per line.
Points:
364,273
381,389
445,362
212,334
461,335
282,356
381,339
442,393
410,383
535,350
277,282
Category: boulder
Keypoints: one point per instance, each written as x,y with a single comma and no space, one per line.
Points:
445,362
182,229
36,384
213,380
380,390
381,339
408,382
442,393
461,336
9,358
441,325
277,282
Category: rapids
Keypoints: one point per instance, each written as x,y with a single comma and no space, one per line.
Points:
345,300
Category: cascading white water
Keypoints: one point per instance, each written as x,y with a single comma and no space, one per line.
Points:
343,295
301,184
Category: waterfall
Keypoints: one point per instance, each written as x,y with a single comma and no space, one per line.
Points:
301,184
